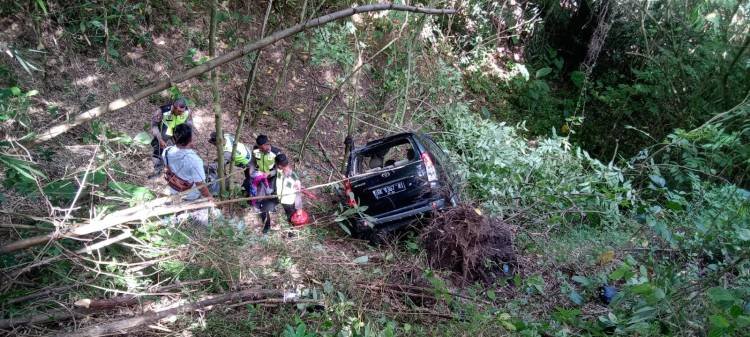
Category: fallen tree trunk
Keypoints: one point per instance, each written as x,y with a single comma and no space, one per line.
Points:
126,325
228,57
49,316
41,293
82,307
152,208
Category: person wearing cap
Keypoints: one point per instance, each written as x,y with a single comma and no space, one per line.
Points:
263,156
286,186
163,123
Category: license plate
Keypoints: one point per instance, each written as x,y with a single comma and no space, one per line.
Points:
388,190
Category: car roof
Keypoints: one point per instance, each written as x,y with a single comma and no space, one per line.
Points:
387,139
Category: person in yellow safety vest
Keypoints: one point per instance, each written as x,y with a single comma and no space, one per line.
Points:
241,155
263,156
163,122
286,186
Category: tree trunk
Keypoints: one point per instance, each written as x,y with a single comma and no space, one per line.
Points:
248,88
122,102
216,102
123,326
348,140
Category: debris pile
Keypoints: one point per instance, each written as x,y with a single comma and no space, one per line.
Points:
466,242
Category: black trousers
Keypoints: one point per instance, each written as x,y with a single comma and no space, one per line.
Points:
156,155
268,206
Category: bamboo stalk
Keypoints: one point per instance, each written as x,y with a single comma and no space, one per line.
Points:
216,99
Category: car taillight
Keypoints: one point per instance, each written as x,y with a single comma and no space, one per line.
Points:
349,194
430,167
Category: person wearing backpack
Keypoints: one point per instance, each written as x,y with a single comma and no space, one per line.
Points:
184,168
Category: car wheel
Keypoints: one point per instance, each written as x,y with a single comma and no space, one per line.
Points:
379,237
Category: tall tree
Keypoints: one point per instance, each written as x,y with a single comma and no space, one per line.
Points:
216,103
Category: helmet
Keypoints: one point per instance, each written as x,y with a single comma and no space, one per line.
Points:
300,218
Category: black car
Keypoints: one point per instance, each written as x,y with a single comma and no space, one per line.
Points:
398,178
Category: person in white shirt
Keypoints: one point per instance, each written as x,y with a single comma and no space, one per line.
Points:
286,186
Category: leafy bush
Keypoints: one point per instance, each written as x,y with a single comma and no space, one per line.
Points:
507,173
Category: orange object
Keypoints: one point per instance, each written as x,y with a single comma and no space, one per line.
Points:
300,218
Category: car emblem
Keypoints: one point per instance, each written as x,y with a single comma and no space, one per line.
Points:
385,174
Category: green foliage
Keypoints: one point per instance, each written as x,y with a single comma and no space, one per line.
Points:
193,58
14,104
330,45
549,175
299,331
134,194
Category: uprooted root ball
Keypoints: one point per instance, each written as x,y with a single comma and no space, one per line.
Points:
464,241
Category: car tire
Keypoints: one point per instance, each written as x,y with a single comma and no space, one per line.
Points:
379,237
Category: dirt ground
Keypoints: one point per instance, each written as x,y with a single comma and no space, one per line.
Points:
72,82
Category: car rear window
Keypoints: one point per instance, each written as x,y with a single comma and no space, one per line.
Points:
383,156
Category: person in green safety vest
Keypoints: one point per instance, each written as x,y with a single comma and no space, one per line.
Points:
241,155
263,156
163,123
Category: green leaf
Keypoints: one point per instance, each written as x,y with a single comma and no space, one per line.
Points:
362,259
134,192
674,206
143,138
23,167
577,77
344,228
575,297
97,24
16,91
543,72
721,297
657,180
582,280
743,234
623,272
718,321
41,5
565,315
61,190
